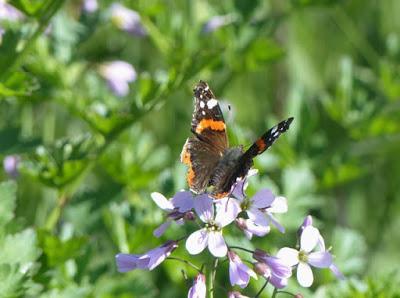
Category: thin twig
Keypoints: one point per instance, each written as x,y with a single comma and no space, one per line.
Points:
242,248
287,293
186,262
262,289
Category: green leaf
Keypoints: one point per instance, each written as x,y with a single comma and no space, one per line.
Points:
29,7
261,52
20,248
12,281
58,251
63,162
19,83
7,196
13,143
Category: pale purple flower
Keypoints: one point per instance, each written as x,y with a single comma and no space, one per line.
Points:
236,294
308,221
211,234
10,164
9,12
148,260
261,206
127,20
198,290
309,240
118,74
217,22
179,208
90,6
272,268
239,273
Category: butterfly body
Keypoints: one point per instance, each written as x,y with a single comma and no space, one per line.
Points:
211,162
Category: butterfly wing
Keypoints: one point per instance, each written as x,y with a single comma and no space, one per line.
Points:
204,149
267,139
260,145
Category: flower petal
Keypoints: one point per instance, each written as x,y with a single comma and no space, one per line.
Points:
309,238
256,229
227,211
279,267
320,259
161,229
258,217
183,200
203,205
263,198
289,255
304,275
197,241
126,262
161,201
278,282
321,243
279,205
157,255
216,244
276,223
198,290
337,272
238,189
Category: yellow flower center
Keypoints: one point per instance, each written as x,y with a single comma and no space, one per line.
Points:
303,256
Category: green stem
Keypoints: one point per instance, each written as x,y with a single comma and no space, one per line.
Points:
262,289
287,293
241,248
275,293
211,278
55,214
186,262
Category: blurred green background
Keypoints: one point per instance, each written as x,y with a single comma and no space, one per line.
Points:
87,159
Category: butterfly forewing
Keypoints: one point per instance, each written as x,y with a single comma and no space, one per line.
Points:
203,150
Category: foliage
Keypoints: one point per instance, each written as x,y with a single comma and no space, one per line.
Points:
90,159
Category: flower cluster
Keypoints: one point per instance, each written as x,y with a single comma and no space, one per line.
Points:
252,215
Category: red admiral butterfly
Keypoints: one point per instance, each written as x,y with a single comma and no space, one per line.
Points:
211,162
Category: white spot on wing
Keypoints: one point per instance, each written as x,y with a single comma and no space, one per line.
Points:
274,129
202,104
212,103
203,113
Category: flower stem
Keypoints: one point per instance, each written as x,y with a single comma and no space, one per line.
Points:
211,278
262,289
287,293
274,293
242,248
186,262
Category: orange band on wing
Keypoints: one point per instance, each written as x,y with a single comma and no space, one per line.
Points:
211,124
185,159
221,195
190,176
261,145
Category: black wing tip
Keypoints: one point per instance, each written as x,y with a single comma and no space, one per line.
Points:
288,121
201,85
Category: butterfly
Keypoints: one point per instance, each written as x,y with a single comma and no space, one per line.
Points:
210,160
